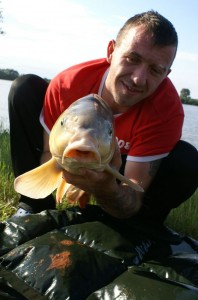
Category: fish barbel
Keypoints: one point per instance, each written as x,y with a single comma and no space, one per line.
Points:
82,136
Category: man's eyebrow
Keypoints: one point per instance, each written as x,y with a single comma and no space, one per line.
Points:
135,54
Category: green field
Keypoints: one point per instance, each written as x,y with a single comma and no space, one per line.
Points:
183,219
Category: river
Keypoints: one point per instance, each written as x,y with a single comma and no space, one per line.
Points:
190,129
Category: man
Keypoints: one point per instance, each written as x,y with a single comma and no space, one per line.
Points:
148,121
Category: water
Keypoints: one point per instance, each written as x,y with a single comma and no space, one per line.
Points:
4,90
190,128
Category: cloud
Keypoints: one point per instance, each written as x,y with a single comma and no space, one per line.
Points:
52,35
51,19
187,56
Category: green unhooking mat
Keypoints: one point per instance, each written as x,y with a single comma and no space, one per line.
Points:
87,255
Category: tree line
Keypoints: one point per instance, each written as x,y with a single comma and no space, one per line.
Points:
186,98
10,74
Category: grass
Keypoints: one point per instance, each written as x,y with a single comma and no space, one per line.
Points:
183,219
8,197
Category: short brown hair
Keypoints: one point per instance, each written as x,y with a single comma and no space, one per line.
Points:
164,33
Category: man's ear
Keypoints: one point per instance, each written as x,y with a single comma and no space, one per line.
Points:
110,49
169,71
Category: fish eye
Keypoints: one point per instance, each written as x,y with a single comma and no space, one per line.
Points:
110,130
63,121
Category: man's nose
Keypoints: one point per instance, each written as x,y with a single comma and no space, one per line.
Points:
139,75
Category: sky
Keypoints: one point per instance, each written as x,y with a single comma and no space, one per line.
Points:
44,37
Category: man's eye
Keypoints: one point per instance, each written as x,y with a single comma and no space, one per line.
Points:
133,60
157,71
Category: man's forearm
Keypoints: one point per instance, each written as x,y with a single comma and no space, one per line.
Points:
122,203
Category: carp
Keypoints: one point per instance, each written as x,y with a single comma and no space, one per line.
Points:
82,136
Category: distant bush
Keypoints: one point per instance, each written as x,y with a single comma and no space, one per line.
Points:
186,100
8,74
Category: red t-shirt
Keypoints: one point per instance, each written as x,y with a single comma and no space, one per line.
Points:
147,131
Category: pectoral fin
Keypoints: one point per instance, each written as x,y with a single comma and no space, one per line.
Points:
74,194
61,190
39,182
122,178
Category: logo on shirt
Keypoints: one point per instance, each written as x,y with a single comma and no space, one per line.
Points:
123,144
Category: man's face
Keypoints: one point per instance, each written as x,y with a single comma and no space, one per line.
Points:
137,68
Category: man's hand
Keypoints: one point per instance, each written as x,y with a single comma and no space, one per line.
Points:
116,199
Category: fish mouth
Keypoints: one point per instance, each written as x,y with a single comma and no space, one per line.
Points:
82,155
